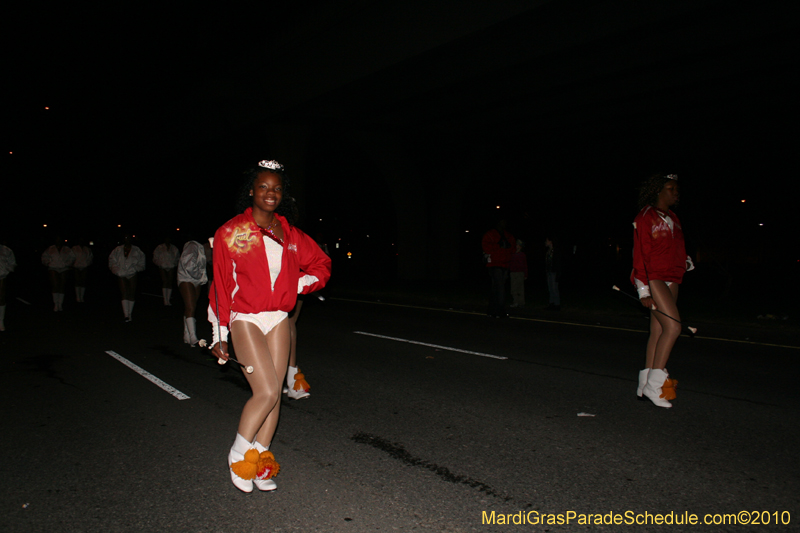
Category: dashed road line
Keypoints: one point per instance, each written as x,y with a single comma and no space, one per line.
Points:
148,376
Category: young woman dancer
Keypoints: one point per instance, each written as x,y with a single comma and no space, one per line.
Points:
58,259
166,257
83,260
659,262
261,263
7,265
125,262
191,275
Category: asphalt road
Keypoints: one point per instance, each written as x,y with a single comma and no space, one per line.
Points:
395,436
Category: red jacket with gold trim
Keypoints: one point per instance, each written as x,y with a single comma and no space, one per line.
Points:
242,281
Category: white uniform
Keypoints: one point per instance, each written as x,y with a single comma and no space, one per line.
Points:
192,266
60,261
7,261
126,267
165,256
83,256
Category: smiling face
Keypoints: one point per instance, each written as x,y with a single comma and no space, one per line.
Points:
267,192
669,195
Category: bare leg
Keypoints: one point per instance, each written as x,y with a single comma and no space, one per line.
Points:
293,332
668,330
166,282
132,288
268,355
190,295
80,277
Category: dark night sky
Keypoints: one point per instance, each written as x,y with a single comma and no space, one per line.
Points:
554,109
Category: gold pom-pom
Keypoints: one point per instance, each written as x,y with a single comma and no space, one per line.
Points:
247,468
267,466
668,389
300,382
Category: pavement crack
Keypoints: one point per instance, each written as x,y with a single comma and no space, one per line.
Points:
397,451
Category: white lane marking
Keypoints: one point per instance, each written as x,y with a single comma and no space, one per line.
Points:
448,348
527,319
148,376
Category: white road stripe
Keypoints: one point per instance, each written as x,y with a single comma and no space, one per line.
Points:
147,375
448,348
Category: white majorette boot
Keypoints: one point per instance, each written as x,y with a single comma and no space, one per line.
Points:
185,331
263,480
296,384
238,450
191,327
125,309
652,390
642,382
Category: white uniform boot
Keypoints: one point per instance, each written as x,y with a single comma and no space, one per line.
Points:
185,331
302,384
2,317
642,382
191,324
60,301
655,379
55,301
260,482
126,311
130,310
169,297
239,448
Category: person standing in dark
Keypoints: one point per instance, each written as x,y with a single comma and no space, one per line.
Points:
7,265
519,273
552,262
83,260
125,262
58,259
659,263
166,257
498,247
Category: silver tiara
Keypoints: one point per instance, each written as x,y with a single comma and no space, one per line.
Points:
271,164
668,176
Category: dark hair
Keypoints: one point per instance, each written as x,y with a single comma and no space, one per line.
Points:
288,205
649,189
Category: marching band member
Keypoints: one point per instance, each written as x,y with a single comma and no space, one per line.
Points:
58,259
261,263
166,257
659,262
125,262
83,259
7,265
191,275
